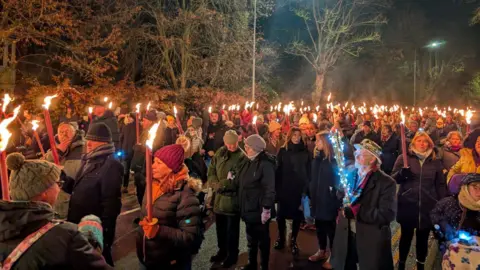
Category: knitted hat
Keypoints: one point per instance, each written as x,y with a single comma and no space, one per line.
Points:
197,122
172,155
99,132
367,124
471,178
273,126
91,228
230,137
371,147
256,142
151,116
161,115
29,178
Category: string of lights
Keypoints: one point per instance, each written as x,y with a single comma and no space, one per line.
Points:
338,147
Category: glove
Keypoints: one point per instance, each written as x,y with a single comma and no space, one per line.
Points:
265,215
150,228
348,212
406,173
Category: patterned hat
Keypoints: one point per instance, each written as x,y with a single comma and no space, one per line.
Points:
91,227
371,147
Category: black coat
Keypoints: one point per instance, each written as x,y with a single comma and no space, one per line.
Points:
128,138
256,187
373,234
171,135
197,167
419,193
180,235
96,190
291,179
62,247
323,188
359,136
214,137
390,151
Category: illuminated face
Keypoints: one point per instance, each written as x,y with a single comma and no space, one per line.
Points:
158,168
421,144
92,145
455,140
232,147
296,137
474,190
171,121
214,117
65,133
319,144
366,129
385,131
146,123
413,127
192,132
363,158
250,152
98,111
310,131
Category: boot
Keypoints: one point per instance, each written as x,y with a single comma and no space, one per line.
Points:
401,265
420,265
230,261
294,247
326,264
319,256
219,257
279,244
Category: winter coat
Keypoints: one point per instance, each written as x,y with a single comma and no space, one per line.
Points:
197,167
418,194
109,119
179,235
466,163
390,151
291,179
214,137
226,198
448,157
128,138
63,247
171,135
273,149
96,190
359,136
310,143
323,187
449,127
448,214
256,187
373,235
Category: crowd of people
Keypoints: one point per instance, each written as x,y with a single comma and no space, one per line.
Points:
246,165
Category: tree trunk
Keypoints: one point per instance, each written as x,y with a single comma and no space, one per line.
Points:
319,84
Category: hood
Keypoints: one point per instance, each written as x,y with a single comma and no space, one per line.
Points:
79,140
16,216
195,184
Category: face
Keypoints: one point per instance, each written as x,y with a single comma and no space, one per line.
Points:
310,131
477,145
26,114
319,143
92,145
363,158
171,121
146,123
98,111
455,140
414,127
474,190
192,132
249,151
421,144
69,110
232,147
296,137
449,119
158,168
65,133
366,129
385,131
276,133
214,117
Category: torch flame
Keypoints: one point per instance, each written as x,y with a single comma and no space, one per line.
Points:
174,110
152,133
468,116
210,109
223,107
6,101
105,99
34,125
318,108
48,101
315,117
90,110
254,121
148,106
4,133
329,97
138,107
403,117
110,105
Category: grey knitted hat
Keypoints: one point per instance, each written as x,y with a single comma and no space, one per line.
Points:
29,178
256,142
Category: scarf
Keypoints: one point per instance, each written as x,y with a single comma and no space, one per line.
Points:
361,183
422,155
104,150
385,138
467,200
455,148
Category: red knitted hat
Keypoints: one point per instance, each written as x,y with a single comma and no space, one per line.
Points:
172,155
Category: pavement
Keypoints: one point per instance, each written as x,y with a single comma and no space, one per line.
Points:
124,248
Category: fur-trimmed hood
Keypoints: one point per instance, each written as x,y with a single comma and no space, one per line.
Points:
194,183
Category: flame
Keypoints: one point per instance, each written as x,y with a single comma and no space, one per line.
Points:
271,108
318,108
301,103
4,133
403,118
90,110
468,116
152,133
148,106
254,121
174,110
420,111
6,101
210,109
257,106
110,105
105,99
238,108
138,107
34,125
315,117
329,97
48,101
223,107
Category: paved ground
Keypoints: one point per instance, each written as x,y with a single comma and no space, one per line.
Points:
125,257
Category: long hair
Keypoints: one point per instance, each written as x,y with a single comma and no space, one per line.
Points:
290,135
423,134
327,146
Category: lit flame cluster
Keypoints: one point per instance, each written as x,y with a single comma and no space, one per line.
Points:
4,133
152,133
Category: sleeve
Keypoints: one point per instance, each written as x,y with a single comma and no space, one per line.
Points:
438,217
81,255
456,169
396,169
68,182
440,183
212,179
268,185
188,231
278,170
111,201
386,209
49,156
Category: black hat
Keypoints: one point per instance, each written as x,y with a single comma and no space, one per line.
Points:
99,132
151,116
471,139
367,124
471,178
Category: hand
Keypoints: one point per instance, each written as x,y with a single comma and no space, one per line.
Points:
348,212
265,215
211,153
406,173
63,146
202,152
150,228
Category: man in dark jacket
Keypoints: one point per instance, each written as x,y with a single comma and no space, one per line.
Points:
215,132
96,190
102,115
363,236
128,139
227,213
366,132
391,147
33,190
256,191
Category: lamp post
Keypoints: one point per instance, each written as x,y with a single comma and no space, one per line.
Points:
254,47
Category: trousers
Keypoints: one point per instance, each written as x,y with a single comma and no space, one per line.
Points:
258,236
228,234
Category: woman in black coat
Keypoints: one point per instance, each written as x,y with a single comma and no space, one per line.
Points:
390,144
422,185
323,194
290,184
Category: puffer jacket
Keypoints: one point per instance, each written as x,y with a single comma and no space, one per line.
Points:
180,232
61,248
226,198
420,192
466,163
448,157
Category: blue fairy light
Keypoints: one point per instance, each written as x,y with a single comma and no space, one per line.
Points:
338,147
463,235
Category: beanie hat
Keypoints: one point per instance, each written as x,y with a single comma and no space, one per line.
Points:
99,132
367,124
230,137
471,178
29,178
197,122
161,115
256,142
273,126
151,116
91,228
172,155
